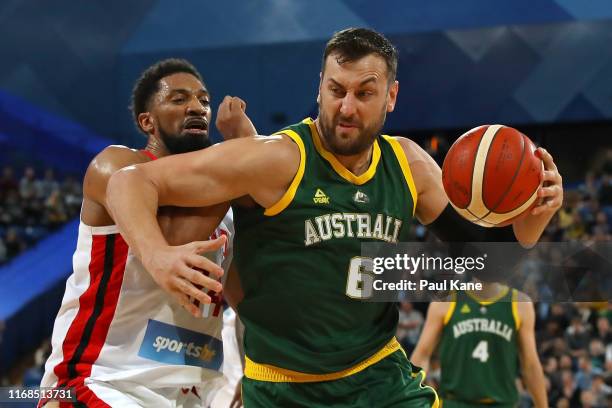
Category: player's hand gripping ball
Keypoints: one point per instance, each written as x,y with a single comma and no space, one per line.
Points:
492,174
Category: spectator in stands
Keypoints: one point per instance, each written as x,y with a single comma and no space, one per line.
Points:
55,210
590,186
73,195
600,390
27,184
46,186
602,330
13,242
601,228
551,371
13,213
568,389
584,376
587,399
597,351
577,228
7,182
577,336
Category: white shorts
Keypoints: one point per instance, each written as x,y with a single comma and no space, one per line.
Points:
133,395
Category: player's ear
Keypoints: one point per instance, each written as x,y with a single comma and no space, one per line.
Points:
146,122
392,96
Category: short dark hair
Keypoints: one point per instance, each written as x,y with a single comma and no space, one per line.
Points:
148,84
352,44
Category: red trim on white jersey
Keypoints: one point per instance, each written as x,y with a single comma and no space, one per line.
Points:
89,329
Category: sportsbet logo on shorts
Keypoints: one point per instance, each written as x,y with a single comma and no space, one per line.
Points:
174,345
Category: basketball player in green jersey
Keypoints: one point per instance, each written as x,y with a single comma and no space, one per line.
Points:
309,197
481,341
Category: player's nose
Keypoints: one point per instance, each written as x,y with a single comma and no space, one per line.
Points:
195,107
347,107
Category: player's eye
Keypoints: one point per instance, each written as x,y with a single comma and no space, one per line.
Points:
336,91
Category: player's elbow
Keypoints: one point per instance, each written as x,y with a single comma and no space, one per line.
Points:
123,182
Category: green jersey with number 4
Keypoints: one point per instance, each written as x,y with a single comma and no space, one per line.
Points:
300,261
479,351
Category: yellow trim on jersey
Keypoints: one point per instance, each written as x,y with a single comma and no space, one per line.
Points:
289,195
451,308
270,373
403,162
515,312
437,403
339,167
487,302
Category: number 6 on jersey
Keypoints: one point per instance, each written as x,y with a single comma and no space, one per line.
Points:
360,278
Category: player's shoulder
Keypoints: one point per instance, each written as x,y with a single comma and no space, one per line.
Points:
281,146
111,159
440,309
115,157
411,149
524,306
519,296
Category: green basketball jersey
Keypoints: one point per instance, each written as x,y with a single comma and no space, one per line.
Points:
299,260
479,350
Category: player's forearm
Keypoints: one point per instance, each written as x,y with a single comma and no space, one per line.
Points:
132,200
529,228
533,377
420,359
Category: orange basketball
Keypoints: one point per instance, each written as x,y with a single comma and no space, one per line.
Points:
491,175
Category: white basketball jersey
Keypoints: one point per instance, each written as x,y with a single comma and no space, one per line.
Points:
116,324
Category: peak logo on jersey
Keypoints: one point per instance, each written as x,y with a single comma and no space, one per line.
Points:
465,309
175,345
320,197
361,197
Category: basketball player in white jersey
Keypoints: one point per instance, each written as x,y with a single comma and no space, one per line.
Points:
119,339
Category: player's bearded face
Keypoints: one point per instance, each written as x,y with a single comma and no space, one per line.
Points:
353,141
183,113
354,98
184,141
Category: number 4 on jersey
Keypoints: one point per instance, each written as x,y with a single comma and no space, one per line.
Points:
481,352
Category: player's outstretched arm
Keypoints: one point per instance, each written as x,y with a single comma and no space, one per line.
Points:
432,200
430,336
261,167
531,369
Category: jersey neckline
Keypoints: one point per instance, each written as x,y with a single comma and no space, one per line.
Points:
335,163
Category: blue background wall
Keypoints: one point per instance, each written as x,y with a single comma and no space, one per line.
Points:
462,62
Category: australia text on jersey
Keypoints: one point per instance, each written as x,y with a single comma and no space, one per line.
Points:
482,324
360,225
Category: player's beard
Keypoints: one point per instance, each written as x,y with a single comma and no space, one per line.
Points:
345,146
184,143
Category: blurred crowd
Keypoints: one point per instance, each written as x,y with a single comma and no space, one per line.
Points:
574,340
574,343
33,205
